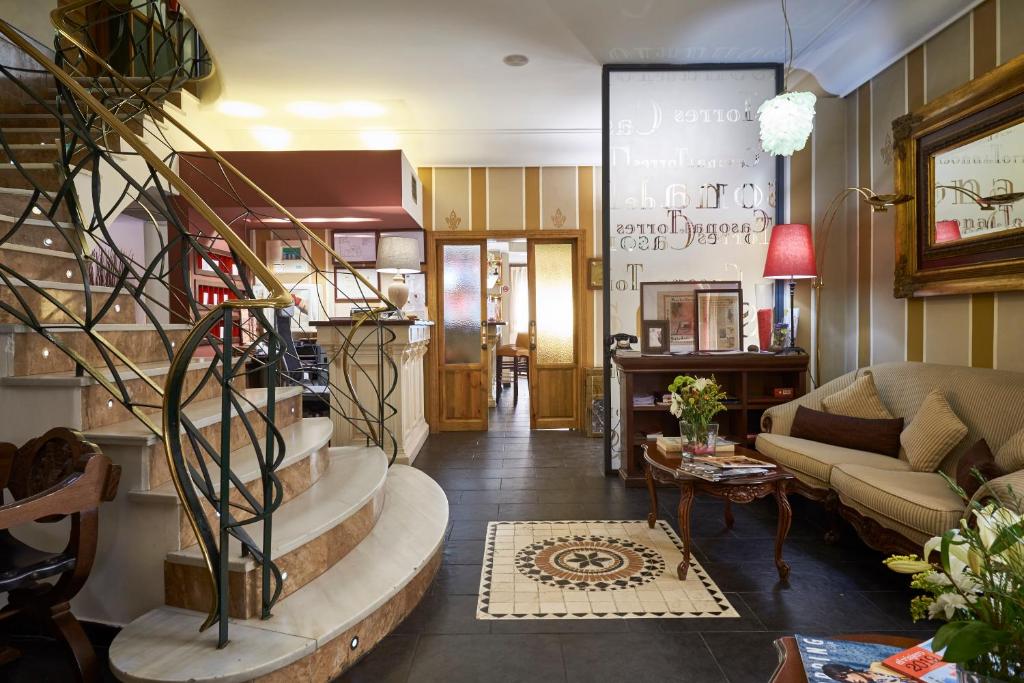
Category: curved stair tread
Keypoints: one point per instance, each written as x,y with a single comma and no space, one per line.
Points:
202,414
126,373
355,476
165,644
302,438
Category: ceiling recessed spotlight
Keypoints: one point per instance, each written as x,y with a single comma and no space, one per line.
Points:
516,60
380,139
361,108
245,110
271,137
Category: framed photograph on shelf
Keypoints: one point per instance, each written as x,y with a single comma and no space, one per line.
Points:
719,320
676,303
348,289
654,338
355,247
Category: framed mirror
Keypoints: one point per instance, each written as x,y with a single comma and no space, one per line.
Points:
962,159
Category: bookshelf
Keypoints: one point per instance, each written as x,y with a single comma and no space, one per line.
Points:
747,378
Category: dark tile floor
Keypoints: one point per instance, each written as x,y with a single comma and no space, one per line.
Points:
510,473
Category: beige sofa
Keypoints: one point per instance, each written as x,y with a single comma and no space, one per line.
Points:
893,508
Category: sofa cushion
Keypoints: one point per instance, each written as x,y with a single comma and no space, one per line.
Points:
918,500
1010,456
978,457
876,436
816,459
860,399
932,434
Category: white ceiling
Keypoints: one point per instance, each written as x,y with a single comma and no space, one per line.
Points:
436,66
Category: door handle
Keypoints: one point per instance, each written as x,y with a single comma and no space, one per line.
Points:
533,335
483,335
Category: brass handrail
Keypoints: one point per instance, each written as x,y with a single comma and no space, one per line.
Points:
56,17
59,16
279,295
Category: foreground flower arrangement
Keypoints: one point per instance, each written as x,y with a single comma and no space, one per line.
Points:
695,401
977,586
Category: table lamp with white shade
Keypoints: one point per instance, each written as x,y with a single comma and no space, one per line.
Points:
398,255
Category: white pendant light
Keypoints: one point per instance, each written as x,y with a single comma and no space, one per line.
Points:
786,120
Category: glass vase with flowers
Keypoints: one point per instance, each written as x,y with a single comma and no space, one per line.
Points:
975,583
695,401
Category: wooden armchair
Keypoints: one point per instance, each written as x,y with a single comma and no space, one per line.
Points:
519,354
49,478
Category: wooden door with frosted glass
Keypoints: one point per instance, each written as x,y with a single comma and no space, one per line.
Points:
554,339
461,334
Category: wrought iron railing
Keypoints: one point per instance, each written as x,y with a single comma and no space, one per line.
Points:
230,337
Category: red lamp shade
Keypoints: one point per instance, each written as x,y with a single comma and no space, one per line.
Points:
790,253
946,231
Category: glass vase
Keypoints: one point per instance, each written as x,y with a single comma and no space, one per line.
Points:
699,438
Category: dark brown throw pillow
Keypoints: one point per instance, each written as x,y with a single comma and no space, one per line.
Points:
977,457
862,434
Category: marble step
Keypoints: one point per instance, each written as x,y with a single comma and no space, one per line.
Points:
36,230
306,460
321,629
42,263
13,201
68,295
141,454
28,134
29,120
311,533
27,352
30,175
25,151
83,403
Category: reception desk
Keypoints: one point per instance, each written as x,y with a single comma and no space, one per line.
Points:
406,350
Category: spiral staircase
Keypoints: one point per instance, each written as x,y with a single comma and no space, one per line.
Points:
243,545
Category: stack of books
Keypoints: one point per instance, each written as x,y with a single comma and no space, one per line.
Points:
673,445
920,664
643,400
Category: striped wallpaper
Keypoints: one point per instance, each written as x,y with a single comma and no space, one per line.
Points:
862,323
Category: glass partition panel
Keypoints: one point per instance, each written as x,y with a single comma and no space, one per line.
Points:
462,296
554,301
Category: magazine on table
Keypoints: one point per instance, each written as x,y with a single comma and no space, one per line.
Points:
733,461
827,660
923,664
712,473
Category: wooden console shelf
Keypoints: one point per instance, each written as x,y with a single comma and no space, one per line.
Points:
747,378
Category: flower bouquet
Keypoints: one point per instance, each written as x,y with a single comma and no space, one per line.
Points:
695,400
977,586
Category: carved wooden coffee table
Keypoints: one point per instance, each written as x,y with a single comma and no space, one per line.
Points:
743,489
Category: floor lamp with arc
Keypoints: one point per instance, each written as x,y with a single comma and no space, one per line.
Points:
879,203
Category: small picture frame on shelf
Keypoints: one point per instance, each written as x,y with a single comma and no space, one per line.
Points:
654,338
720,320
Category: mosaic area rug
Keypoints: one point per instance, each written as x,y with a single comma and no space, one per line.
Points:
592,570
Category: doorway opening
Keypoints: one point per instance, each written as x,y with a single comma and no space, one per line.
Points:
509,302
478,313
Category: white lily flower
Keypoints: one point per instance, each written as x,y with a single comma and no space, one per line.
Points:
991,520
677,406
701,383
945,605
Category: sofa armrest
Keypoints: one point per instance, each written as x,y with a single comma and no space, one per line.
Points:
1007,489
779,419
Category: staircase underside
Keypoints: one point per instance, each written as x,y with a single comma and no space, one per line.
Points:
319,630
